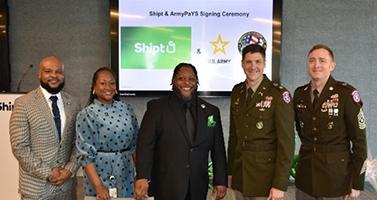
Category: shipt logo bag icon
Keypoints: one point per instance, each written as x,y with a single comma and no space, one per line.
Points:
154,47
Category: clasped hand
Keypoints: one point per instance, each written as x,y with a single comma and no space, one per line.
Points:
59,175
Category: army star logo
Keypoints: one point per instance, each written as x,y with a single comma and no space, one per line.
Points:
219,45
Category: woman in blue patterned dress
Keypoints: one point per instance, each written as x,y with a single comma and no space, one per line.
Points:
106,139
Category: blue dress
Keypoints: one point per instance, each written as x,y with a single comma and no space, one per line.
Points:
103,127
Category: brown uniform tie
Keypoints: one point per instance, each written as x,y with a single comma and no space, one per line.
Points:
249,95
315,99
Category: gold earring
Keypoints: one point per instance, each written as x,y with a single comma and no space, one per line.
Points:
94,92
116,91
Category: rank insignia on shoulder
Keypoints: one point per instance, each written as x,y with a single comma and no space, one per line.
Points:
286,97
355,96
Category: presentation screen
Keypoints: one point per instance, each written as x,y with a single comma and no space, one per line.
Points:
151,37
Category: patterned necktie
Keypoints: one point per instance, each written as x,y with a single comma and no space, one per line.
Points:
55,111
190,123
249,95
315,99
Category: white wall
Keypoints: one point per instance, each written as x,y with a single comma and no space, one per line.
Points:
9,164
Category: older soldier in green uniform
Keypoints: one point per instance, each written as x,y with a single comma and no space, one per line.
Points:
329,117
261,138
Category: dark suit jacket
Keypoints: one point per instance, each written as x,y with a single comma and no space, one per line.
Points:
326,166
35,143
166,156
261,139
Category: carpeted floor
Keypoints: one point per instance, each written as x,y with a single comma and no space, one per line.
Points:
368,194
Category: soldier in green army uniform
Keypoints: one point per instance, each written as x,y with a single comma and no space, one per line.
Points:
261,138
329,117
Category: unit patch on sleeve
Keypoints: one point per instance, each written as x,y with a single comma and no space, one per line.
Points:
286,97
356,96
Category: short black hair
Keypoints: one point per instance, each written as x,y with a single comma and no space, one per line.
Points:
253,48
180,65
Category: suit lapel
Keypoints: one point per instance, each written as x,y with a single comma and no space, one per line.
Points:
41,102
68,112
202,120
242,100
176,108
307,98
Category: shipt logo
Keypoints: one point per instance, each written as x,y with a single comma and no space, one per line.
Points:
154,47
251,37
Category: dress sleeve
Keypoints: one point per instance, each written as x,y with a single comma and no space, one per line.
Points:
232,141
135,127
357,129
284,123
87,137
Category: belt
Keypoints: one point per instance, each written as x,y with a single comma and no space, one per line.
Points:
247,146
326,148
114,151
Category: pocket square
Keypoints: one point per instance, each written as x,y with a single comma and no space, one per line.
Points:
210,122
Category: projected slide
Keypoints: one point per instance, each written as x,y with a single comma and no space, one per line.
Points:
154,36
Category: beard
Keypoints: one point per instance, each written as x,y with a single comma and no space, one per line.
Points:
183,97
50,89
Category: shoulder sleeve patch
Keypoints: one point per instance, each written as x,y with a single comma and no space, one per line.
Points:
356,96
286,97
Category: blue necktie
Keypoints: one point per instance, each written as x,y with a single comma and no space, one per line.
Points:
55,111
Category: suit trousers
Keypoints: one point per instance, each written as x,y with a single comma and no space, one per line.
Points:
57,196
300,195
239,196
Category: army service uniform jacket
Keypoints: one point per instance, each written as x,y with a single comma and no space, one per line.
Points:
327,166
261,139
